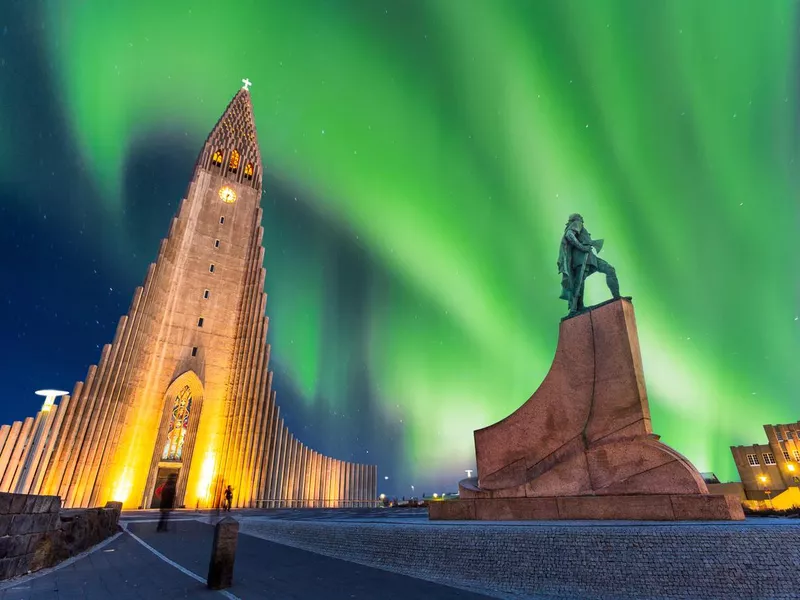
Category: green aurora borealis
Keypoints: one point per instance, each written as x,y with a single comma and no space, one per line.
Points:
449,140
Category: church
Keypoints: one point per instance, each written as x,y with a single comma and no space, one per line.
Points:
185,387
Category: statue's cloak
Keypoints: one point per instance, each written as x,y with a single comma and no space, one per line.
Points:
565,268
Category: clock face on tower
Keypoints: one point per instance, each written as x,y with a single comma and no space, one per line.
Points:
227,195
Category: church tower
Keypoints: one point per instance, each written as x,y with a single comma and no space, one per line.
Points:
185,386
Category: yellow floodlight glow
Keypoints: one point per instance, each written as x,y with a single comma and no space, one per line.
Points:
790,466
206,475
122,488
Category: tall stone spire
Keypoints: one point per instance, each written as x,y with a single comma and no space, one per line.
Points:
185,387
231,148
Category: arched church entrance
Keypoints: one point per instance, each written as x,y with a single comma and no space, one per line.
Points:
172,454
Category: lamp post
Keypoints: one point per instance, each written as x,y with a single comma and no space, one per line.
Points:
38,440
763,479
49,398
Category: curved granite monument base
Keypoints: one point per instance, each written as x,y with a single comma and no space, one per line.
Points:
582,446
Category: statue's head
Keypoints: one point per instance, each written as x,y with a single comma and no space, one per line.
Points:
575,222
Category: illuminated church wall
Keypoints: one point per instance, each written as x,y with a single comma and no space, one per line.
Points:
195,335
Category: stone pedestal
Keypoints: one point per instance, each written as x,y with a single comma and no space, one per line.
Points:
582,446
223,554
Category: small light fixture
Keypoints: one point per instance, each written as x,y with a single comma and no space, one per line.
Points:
436,495
790,466
382,496
763,479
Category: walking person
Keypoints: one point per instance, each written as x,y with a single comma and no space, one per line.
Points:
228,498
167,501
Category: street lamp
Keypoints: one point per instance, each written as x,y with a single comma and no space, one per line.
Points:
50,398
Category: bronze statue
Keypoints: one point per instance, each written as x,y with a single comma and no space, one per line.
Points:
576,262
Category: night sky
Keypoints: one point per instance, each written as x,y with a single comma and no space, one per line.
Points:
421,158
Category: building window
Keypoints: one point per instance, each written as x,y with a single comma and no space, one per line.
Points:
248,170
233,165
221,220
790,435
797,455
752,459
780,436
178,425
194,351
216,243
786,455
200,324
211,269
769,458
216,160
206,294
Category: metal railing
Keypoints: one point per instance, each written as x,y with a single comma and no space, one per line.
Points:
317,503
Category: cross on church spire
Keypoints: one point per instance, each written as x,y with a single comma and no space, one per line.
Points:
247,83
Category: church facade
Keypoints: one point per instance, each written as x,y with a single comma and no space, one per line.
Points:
185,386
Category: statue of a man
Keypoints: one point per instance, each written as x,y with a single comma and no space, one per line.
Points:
576,262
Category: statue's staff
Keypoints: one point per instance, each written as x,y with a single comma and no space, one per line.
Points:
573,305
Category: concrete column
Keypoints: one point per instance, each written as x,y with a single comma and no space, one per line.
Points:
318,495
292,479
326,492
245,357
276,474
55,473
50,441
259,452
349,484
359,484
304,472
339,488
77,462
44,421
343,488
16,454
118,398
87,455
281,453
272,459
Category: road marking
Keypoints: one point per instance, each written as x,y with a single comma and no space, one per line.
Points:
183,570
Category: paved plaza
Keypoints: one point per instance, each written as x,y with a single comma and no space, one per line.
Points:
398,553
125,569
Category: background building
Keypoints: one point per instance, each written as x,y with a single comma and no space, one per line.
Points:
185,386
768,470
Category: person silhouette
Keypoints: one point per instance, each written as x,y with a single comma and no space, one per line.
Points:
167,501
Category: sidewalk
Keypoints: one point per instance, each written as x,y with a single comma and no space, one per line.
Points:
122,570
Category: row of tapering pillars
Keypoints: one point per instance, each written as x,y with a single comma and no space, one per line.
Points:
25,449
298,477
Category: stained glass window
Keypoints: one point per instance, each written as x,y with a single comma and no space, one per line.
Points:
217,158
248,170
233,165
178,425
